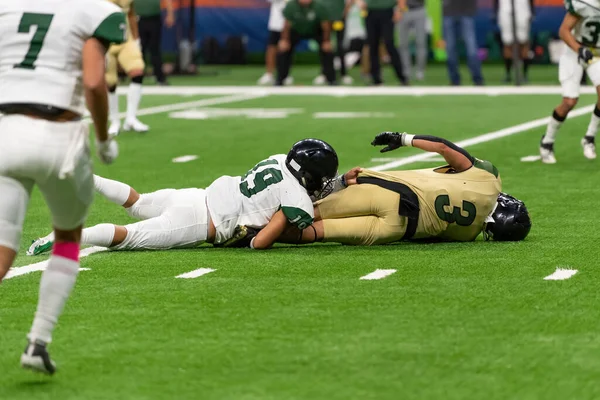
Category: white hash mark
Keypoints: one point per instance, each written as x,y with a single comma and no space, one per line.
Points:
196,273
378,274
561,274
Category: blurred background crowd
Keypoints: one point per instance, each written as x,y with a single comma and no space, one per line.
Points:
184,36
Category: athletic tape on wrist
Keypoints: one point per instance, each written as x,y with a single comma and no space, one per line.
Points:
407,139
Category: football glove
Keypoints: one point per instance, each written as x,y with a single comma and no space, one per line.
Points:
585,55
242,236
107,151
392,140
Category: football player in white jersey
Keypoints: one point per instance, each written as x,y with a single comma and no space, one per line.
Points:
580,30
51,57
272,194
524,11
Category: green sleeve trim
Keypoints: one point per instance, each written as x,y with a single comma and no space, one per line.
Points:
570,8
297,217
113,29
487,166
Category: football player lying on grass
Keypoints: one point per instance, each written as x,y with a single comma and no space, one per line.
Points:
272,195
455,202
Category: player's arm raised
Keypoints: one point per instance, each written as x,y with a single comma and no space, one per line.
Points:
566,34
96,97
458,158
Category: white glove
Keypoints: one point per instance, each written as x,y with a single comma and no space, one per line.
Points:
107,151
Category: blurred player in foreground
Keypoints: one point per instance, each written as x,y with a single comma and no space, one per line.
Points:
51,55
580,30
272,194
129,56
455,202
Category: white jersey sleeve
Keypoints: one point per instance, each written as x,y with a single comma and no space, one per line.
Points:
587,30
297,206
41,44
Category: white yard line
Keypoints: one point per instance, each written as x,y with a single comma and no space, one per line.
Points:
377,274
487,137
184,159
561,274
196,273
40,266
357,91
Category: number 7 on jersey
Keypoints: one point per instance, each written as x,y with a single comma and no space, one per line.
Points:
41,23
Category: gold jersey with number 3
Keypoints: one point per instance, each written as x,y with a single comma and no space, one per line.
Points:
453,206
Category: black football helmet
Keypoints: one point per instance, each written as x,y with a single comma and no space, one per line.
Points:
314,163
511,220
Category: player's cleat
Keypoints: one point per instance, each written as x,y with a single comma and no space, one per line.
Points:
242,236
347,80
135,125
266,79
114,128
36,358
547,153
288,81
40,246
589,147
319,80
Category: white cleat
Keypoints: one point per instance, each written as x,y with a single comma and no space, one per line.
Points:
41,245
36,358
114,128
319,80
135,125
589,147
266,80
289,81
347,80
547,153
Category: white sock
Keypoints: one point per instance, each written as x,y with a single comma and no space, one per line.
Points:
594,122
113,106
134,95
115,191
552,130
100,235
55,287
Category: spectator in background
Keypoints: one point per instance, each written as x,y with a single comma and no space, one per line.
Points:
305,19
460,15
524,12
415,17
150,25
338,10
276,22
381,16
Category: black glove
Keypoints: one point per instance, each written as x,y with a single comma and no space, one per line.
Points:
241,237
392,140
585,55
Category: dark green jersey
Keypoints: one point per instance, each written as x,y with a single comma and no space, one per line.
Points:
147,8
379,4
336,9
306,20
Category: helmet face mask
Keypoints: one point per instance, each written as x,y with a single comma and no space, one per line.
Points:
511,221
314,164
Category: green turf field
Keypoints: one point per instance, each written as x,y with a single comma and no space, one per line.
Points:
456,321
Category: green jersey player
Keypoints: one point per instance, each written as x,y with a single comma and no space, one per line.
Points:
580,30
51,58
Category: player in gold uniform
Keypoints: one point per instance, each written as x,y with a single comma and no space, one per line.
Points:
455,202
129,56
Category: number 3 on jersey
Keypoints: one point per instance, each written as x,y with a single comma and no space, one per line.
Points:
463,217
41,23
260,180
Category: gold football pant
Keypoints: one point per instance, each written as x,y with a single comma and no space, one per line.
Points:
362,215
127,55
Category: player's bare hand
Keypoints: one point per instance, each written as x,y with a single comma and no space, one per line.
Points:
326,46
283,45
170,20
392,140
351,176
108,151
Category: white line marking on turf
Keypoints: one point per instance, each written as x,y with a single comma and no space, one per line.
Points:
85,269
252,113
357,91
377,274
196,273
40,266
184,159
488,137
532,158
351,114
561,274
